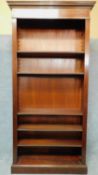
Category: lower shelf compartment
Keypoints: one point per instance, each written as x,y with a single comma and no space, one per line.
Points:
49,164
48,160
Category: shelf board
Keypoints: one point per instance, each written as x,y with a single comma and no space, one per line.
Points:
24,54
50,74
50,160
48,111
49,143
50,128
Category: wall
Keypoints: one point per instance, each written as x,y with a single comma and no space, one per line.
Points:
5,19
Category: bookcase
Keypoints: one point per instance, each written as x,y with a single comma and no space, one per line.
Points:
50,41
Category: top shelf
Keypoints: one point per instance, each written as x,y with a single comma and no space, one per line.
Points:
59,36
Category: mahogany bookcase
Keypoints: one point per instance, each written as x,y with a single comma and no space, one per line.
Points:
50,42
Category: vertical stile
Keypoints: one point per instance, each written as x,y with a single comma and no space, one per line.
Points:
15,107
85,89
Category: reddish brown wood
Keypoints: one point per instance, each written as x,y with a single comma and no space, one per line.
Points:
66,169
52,36
50,65
40,127
50,160
15,107
30,3
49,143
50,86
85,88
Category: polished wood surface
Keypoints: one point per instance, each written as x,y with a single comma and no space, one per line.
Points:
40,127
49,143
50,160
75,3
35,92
85,88
50,65
51,36
48,111
14,67
50,86
50,119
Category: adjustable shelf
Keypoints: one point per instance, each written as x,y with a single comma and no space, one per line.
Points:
49,143
50,128
50,86
47,111
50,74
49,160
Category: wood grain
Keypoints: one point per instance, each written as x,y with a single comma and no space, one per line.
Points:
50,65
14,71
49,93
49,160
50,85
39,127
47,40
49,143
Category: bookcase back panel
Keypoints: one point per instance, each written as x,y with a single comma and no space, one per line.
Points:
55,40
49,119
49,92
49,151
71,135
51,65
51,36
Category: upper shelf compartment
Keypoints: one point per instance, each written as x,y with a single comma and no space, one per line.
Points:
51,35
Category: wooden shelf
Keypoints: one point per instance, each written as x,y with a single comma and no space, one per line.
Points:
48,164
50,74
40,111
25,54
49,143
50,128
50,160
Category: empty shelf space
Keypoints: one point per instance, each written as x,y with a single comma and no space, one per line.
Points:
51,160
52,93
50,119
40,111
49,127
50,66
51,36
49,143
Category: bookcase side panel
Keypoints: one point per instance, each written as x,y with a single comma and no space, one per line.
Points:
14,65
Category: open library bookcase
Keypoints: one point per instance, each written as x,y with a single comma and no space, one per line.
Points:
50,86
